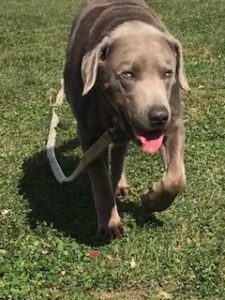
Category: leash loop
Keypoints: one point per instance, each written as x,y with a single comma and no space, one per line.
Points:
89,156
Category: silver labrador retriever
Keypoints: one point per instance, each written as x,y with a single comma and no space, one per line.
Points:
122,64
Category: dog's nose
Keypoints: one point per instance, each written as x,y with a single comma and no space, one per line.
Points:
158,115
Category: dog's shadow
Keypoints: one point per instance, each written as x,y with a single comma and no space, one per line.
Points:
68,207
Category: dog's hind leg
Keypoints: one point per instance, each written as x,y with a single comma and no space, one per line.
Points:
119,180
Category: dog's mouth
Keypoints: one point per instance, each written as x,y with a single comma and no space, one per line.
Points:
151,141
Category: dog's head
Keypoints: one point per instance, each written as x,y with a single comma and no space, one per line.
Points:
136,67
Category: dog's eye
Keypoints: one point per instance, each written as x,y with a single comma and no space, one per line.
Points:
168,74
128,74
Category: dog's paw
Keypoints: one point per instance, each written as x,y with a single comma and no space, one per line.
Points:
157,199
112,230
123,188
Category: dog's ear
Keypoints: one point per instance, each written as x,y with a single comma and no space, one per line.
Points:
176,45
180,67
90,62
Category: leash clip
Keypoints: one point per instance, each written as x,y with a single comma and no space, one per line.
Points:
118,135
113,129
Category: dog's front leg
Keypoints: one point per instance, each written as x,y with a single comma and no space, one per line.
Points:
109,222
162,194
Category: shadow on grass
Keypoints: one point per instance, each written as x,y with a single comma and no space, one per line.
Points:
68,207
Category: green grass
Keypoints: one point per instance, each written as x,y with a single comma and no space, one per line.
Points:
47,230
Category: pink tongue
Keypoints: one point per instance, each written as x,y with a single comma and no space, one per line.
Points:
150,146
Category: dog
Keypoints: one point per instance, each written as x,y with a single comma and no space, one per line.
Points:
122,64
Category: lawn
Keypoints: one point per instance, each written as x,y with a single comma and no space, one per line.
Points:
48,230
